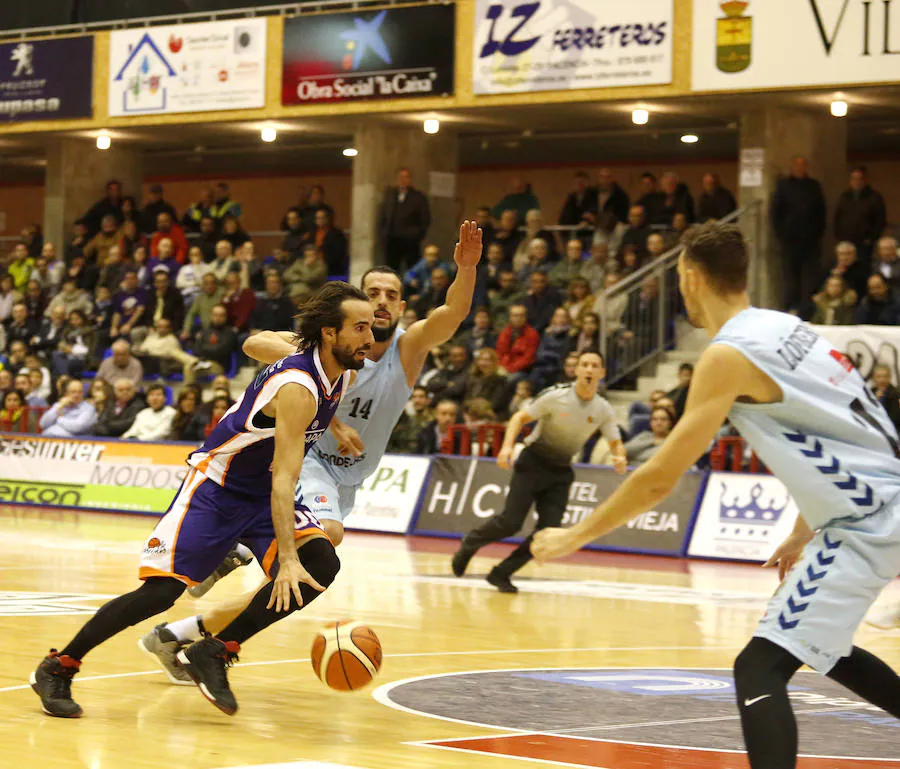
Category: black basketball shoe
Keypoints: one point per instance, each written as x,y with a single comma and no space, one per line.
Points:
52,682
207,661
461,560
501,581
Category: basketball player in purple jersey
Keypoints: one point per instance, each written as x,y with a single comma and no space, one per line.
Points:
241,486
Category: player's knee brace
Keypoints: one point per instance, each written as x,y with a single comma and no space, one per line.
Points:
762,659
319,558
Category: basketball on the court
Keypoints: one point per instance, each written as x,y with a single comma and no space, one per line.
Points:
346,655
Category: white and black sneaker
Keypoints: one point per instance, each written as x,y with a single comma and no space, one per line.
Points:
162,645
207,662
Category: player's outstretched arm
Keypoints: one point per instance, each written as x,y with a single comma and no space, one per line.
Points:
721,377
270,346
442,324
295,408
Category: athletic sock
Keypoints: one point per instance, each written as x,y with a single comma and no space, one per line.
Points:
871,678
189,629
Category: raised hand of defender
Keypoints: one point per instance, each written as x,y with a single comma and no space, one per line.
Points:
468,249
290,574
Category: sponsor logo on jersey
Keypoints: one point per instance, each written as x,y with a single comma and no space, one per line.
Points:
156,546
322,499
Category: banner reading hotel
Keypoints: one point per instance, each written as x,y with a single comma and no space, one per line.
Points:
217,65
552,45
740,44
389,54
47,79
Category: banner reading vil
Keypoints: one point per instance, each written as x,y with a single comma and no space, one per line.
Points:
127,476
389,54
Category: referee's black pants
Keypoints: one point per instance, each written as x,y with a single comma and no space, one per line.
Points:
534,481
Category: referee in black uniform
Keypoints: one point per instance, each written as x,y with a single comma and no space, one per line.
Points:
566,415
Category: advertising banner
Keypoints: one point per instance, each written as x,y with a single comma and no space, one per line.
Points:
761,44
867,346
463,493
128,476
742,517
47,79
389,54
218,65
554,46
387,499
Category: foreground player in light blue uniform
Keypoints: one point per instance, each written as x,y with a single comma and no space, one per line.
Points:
809,416
344,457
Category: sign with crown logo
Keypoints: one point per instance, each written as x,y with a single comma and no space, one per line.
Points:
734,33
742,517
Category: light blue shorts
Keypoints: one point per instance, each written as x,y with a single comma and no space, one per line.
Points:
320,493
815,612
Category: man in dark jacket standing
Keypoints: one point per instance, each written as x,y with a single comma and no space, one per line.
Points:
402,223
798,217
715,202
581,203
273,311
860,216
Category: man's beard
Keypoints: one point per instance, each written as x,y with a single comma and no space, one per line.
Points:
346,357
383,334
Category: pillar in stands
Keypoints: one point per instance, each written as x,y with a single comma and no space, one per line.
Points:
76,177
433,161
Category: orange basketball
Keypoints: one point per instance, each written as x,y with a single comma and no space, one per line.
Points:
346,655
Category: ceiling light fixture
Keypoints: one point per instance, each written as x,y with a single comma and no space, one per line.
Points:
103,141
431,126
839,108
640,116
268,134
690,138
350,152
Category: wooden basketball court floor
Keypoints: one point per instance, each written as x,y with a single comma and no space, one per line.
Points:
603,660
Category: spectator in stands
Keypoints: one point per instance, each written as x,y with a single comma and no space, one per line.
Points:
887,262
33,239
98,247
75,352
278,261
121,365
333,243
588,337
510,293
148,220
436,295
541,301
520,199
239,302
101,394
192,221
165,257
19,269
656,246
524,392
715,202
637,232
536,260
207,239
306,275
508,235
101,316
168,228
610,232
407,319
183,421
35,301
611,198
594,270
493,265
887,394
680,226
629,260
486,223
48,279
274,311
40,390
70,298
676,198
451,382
164,302
579,301
433,435
224,261
564,272
71,416
190,277
153,423
218,406
639,413
22,383
486,380
200,313
798,217
234,233
253,272
679,393
848,267
129,307
223,205
110,205
16,353
6,381
19,326
879,307
113,272
651,199
555,345
16,416
161,354
417,414
141,267
403,221
79,240
130,212
534,228
85,274
580,207
118,413
315,200
476,413
860,215
834,305
50,332
518,343
480,335
417,279
296,234
644,445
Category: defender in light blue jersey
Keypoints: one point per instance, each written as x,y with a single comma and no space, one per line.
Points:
810,417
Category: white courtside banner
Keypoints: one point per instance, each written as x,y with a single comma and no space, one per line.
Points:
553,45
217,65
743,517
867,346
387,499
740,44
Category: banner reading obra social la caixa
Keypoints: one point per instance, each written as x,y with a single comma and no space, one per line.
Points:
128,476
551,46
463,493
219,65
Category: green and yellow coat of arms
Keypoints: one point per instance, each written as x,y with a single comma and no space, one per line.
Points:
734,33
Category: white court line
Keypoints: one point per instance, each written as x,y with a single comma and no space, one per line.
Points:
584,649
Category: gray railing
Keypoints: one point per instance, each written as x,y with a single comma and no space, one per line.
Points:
637,314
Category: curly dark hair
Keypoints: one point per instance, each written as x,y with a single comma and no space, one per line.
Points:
324,310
